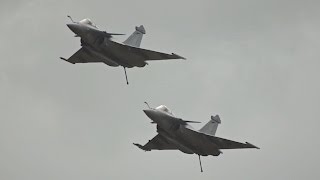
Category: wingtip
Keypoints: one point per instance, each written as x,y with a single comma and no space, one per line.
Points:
62,58
178,56
251,145
140,146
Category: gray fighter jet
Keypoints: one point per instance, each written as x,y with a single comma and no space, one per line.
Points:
176,134
97,46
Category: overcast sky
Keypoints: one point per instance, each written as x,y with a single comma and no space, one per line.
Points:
253,62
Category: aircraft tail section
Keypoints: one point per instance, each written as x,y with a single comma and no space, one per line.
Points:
135,38
211,127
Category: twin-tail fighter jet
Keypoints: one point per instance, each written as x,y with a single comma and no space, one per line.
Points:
97,46
176,134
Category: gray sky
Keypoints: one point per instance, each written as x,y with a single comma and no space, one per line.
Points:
253,62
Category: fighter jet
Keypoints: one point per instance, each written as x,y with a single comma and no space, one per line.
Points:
98,46
175,133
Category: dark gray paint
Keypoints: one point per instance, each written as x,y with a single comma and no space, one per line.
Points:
97,46
176,134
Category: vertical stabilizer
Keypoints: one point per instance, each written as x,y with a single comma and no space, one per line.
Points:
211,127
135,38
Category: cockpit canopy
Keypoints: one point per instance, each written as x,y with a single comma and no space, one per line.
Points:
88,22
164,108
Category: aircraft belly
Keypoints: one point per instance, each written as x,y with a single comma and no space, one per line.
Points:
178,144
105,59
125,59
134,61
198,144
110,62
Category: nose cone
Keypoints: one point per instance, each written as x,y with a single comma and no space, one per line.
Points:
150,113
76,28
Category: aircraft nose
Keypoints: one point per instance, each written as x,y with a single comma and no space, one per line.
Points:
150,113
75,28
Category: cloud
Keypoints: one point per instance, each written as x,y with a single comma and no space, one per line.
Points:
255,63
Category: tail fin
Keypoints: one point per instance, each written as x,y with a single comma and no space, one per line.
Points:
135,38
211,127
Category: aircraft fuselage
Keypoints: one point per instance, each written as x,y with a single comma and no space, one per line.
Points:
100,46
178,134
